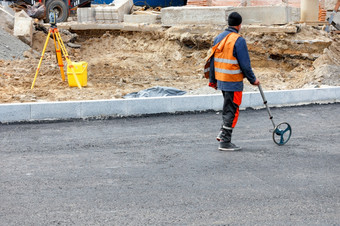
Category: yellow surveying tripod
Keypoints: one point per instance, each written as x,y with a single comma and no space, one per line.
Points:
59,48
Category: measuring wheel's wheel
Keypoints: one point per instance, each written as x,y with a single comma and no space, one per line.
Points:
282,133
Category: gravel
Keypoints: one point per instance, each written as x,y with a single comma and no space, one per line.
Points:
11,47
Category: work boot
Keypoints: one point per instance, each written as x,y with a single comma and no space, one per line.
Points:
228,146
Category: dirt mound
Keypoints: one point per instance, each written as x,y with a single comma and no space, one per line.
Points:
124,62
292,61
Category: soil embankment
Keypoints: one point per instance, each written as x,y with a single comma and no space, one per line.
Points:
123,62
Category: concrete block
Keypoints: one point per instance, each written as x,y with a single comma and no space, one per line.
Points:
106,14
86,14
123,7
99,14
146,18
115,17
22,14
14,112
267,15
23,27
56,110
115,13
172,16
293,14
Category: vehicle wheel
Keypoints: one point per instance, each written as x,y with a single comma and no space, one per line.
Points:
60,8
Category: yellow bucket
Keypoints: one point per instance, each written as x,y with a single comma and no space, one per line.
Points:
80,68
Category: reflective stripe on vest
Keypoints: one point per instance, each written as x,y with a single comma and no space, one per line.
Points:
225,61
226,65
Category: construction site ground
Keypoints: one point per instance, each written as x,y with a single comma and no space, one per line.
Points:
121,62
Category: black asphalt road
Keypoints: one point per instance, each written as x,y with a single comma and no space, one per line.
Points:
166,170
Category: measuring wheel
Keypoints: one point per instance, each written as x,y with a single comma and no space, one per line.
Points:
282,133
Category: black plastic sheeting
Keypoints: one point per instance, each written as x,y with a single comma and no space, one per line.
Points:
157,91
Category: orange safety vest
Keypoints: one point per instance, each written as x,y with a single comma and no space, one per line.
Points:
226,65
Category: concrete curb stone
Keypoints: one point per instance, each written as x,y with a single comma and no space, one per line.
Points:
44,111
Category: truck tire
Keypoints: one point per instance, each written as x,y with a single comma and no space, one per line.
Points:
61,9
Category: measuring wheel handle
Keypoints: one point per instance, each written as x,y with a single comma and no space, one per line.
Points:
282,133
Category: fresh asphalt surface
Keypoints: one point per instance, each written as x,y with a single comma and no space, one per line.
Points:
166,170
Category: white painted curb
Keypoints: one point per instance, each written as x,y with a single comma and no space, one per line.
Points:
22,112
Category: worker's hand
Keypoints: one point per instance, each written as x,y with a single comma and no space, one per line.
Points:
256,83
213,85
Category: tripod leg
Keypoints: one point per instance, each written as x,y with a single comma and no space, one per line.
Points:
59,57
41,58
69,63
62,45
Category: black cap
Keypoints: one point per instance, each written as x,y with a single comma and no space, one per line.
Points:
234,19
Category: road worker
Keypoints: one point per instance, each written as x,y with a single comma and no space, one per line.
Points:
226,67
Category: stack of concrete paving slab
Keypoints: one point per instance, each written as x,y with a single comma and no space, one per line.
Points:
106,14
113,13
86,14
